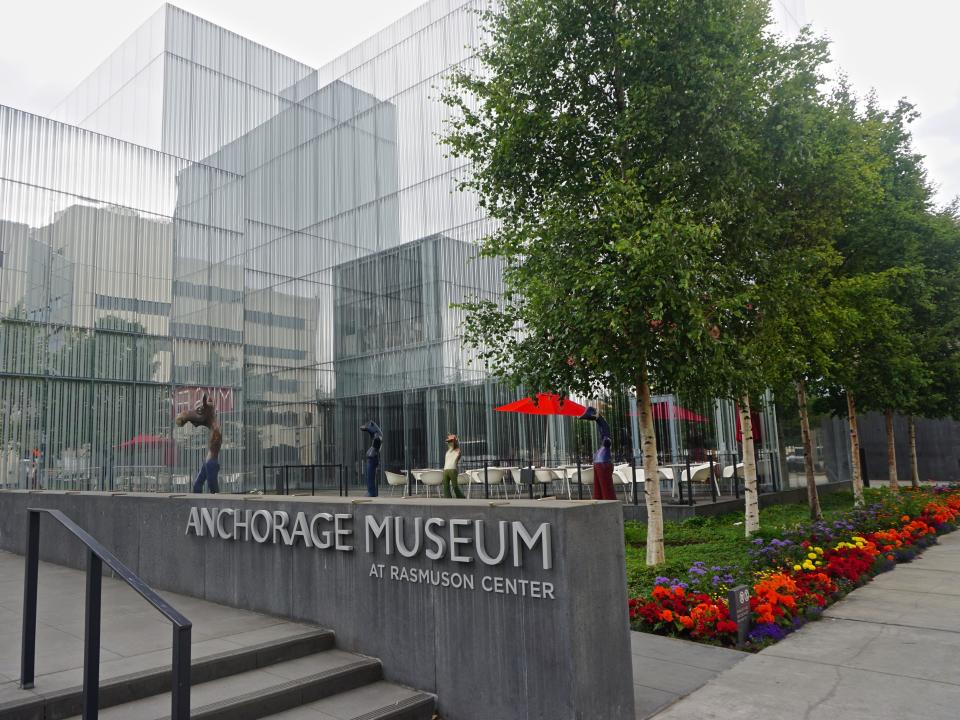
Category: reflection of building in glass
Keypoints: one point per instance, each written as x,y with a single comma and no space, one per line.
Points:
397,341
204,214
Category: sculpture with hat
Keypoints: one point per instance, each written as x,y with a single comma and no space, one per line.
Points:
451,462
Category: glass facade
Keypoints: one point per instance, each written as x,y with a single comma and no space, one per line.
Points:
204,214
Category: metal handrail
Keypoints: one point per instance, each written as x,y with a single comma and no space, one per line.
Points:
180,680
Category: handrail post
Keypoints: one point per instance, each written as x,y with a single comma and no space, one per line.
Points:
91,638
633,468
713,488
180,679
31,569
736,480
486,482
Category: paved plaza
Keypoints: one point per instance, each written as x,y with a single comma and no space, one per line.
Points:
888,651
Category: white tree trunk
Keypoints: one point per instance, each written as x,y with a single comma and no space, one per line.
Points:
891,452
854,451
752,519
651,472
813,497
914,470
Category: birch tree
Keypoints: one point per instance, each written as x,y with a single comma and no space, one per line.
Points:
616,145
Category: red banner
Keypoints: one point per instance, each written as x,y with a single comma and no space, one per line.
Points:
186,398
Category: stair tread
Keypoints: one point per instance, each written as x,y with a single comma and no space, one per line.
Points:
355,704
159,660
233,686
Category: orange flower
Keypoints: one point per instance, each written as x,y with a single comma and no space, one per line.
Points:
890,557
686,621
666,616
678,591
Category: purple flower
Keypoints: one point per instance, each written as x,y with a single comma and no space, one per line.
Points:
766,631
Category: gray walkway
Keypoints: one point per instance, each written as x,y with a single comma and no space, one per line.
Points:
889,651
134,636
666,669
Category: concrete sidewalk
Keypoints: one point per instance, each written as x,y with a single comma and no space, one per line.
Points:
888,651
667,669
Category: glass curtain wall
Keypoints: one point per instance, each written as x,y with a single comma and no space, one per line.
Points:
205,215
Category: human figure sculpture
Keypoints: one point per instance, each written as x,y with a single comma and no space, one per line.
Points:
602,458
373,457
206,415
451,472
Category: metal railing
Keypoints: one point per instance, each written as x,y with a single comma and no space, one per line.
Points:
281,483
180,679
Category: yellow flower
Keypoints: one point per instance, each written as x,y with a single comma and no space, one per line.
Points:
818,563
858,539
818,550
812,556
796,567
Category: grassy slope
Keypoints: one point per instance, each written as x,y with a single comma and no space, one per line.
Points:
715,541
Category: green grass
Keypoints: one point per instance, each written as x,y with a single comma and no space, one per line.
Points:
714,540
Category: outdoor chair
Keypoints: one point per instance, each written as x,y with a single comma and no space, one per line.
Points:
431,478
586,477
395,480
700,473
728,473
513,474
545,477
495,479
623,475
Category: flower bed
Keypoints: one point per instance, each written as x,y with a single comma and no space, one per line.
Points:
794,575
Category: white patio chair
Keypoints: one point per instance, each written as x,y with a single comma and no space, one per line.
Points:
700,473
569,474
431,478
624,475
395,480
516,475
545,477
728,470
495,479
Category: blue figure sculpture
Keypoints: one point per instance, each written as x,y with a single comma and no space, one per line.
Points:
373,457
602,458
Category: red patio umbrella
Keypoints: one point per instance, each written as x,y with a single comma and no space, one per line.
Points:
143,441
754,421
666,411
150,441
545,404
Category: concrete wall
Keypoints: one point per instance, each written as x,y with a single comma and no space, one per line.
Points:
705,508
487,655
938,447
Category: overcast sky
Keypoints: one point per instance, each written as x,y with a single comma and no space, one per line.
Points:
900,47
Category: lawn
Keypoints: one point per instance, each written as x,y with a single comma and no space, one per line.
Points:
716,541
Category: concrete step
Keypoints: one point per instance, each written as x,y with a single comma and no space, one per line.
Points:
134,686
258,693
377,701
